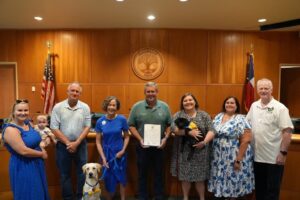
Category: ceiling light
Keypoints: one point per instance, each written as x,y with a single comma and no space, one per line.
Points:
183,0
119,0
151,17
262,20
38,18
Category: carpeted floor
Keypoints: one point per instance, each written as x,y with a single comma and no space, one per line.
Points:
169,198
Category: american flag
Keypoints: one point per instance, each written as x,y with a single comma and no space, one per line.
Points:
48,90
249,87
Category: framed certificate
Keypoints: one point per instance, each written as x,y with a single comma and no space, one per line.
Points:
152,134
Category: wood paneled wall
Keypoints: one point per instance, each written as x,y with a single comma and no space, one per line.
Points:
211,64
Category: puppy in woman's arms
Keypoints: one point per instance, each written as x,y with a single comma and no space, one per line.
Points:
91,188
186,125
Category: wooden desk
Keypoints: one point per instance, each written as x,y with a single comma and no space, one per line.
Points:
290,189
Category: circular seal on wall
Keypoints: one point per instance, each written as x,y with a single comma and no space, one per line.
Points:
147,64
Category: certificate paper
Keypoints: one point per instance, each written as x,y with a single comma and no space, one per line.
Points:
152,134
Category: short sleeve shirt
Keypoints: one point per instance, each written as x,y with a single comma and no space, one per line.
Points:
142,114
111,130
267,125
70,121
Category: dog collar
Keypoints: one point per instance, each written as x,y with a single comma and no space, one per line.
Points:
93,191
92,186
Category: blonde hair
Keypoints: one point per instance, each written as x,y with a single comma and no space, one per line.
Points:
18,101
45,117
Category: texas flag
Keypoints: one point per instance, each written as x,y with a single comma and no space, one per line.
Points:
249,88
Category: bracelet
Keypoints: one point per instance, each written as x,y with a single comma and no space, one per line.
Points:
238,161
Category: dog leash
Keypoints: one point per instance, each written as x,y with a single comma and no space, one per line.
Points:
116,166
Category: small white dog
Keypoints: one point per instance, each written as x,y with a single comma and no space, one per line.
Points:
91,188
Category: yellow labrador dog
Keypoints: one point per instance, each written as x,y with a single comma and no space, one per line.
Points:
91,188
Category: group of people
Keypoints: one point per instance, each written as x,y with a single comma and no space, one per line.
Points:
234,154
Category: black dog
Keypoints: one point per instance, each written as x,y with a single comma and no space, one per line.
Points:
183,123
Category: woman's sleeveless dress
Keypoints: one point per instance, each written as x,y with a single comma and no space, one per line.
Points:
27,174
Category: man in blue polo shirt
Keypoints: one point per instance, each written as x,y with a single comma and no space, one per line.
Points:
149,119
70,123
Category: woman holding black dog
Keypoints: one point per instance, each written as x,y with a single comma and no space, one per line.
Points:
232,163
191,149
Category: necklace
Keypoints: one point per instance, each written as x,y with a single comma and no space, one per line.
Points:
191,114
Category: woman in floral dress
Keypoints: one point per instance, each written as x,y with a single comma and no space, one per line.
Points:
232,160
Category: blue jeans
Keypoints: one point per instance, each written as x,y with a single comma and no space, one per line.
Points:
64,163
150,159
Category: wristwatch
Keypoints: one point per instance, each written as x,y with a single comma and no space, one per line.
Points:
283,153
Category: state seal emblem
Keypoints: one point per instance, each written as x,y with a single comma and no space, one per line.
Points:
147,64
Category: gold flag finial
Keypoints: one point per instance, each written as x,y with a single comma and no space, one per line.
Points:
251,48
49,46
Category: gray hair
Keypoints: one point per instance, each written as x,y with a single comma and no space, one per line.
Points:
75,83
268,81
150,84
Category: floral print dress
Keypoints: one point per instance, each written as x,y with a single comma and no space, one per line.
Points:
224,180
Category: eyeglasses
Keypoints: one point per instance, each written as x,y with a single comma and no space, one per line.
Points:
21,101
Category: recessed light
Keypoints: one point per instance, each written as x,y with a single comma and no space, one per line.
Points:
183,0
119,0
38,18
262,20
151,17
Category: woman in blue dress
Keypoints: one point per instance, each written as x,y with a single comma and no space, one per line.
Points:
112,139
26,166
232,160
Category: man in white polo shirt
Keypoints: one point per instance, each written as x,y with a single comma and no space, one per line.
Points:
272,128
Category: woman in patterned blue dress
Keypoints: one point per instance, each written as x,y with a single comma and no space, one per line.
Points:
112,139
26,166
232,162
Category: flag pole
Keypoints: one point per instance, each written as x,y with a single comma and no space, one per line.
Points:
252,53
249,96
49,46
48,83
251,48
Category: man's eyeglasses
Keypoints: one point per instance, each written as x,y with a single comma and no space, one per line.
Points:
21,101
